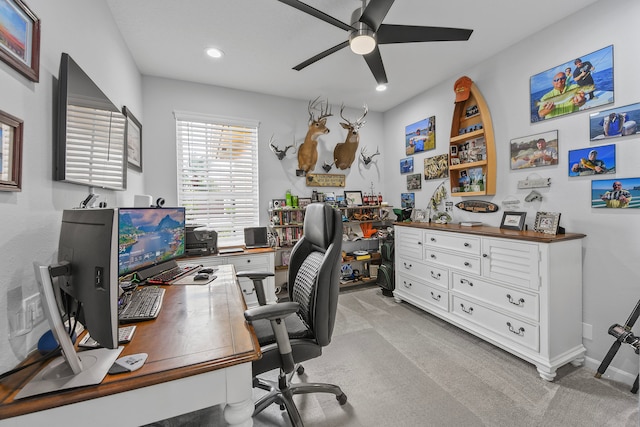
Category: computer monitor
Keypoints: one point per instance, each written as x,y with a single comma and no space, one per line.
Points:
149,237
87,288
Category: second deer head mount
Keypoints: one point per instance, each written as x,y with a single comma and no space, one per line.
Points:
345,152
308,151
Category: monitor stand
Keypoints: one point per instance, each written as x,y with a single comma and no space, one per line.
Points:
58,375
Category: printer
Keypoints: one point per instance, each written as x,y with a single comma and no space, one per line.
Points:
201,240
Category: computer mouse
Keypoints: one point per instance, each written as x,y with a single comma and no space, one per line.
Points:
201,276
206,270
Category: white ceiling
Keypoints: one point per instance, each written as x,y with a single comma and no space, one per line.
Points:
264,39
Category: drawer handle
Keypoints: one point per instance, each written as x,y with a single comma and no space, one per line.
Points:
248,293
433,256
485,256
467,264
433,239
407,266
437,298
419,242
466,245
406,285
468,311
466,282
519,303
519,332
435,276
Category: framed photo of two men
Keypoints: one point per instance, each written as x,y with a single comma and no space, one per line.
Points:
581,83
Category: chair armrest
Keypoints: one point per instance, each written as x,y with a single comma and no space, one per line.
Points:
255,275
271,311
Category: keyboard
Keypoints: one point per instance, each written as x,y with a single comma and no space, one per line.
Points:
142,304
172,274
125,333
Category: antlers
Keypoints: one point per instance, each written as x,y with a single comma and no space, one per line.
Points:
280,154
358,123
325,110
367,159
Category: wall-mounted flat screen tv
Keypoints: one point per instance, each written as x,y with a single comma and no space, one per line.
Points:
90,146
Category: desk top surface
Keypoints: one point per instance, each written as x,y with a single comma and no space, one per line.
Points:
200,328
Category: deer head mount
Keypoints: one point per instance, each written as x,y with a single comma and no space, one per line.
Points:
308,151
280,154
345,152
367,159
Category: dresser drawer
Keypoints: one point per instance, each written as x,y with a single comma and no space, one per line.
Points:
422,271
464,263
525,304
517,331
431,295
465,244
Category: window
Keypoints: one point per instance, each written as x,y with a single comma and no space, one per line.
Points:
218,173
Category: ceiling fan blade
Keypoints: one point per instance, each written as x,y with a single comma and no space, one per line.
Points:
375,12
321,55
388,34
317,14
374,61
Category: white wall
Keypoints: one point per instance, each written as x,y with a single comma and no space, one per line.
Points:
611,249
30,219
285,119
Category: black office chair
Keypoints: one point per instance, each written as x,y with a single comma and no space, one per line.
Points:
309,316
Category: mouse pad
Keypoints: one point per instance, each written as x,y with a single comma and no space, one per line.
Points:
188,280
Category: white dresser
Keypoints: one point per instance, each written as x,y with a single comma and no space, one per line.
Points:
261,260
519,290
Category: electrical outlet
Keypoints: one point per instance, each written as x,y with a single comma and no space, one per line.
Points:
33,311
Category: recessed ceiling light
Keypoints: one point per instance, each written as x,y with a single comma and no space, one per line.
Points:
381,88
215,53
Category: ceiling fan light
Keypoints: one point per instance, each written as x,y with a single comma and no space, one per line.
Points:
362,41
381,88
215,53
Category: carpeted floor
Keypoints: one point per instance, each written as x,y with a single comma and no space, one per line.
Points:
402,367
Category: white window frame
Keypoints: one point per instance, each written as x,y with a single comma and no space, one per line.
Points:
222,153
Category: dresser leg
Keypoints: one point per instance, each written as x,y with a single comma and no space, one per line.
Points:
546,373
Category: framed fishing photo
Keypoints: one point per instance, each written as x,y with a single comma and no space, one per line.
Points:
406,165
420,136
593,160
583,82
533,151
615,193
614,123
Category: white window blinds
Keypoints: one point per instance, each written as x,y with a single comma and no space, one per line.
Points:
218,174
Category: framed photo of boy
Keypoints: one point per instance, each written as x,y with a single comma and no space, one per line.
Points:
20,38
581,83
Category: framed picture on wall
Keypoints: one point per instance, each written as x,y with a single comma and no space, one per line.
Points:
581,83
407,200
414,181
534,151
20,38
420,136
436,167
406,165
614,123
133,136
11,131
615,193
593,160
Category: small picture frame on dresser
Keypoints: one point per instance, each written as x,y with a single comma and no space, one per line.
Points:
547,222
513,220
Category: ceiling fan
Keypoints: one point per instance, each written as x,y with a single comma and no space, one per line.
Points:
367,31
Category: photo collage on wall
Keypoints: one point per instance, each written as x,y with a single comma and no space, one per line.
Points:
582,83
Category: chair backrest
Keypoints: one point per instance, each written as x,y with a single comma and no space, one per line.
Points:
314,270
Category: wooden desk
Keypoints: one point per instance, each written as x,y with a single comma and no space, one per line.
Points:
200,352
